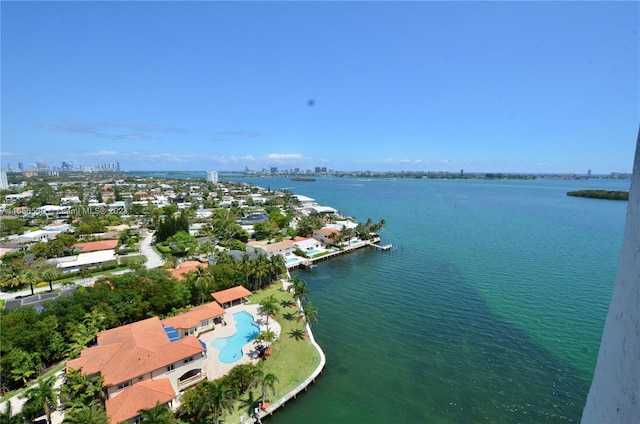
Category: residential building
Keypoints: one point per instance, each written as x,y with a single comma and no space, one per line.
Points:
326,235
34,236
12,198
281,248
4,183
305,201
54,211
195,321
141,396
141,358
70,200
95,246
58,227
307,245
323,209
85,260
186,267
212,176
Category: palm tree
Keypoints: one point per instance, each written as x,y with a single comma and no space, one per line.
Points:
267,336
297,334
245,268
159,414
29,276
41,397
203,280
216,399
267,382
81,336
380,225
172,261
260,269
11,278
222,257
78,387
269,306
207,248
94,321
338,238
299,287
50,274
309,312
80,413
251,403
277,267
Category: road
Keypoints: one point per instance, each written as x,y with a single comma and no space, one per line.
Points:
153,261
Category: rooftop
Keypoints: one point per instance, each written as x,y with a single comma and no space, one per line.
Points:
142,395
229,295
185,267
194,316
93,246
143,346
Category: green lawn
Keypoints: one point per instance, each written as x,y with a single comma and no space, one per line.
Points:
293,358
292,361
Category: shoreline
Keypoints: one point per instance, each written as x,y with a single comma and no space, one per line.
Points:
293,394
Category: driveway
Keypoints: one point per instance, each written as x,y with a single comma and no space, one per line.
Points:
153,259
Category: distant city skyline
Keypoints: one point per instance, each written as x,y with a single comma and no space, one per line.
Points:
515,87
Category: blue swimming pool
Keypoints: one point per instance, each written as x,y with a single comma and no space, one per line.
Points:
312,252
292,260
231,347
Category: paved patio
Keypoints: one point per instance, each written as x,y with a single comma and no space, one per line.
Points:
212,367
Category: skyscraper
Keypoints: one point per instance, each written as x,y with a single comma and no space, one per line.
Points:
212,176
4,184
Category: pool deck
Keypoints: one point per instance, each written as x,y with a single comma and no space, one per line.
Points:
213,368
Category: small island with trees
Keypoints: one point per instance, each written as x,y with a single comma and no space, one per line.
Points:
601,194
304,179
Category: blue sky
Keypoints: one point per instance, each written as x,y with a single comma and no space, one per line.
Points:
415,86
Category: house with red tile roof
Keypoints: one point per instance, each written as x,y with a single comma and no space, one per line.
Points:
185,267
94,246
326,235
143,395
231,297
141,352
197,320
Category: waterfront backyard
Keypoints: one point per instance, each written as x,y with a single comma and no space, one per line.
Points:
293,358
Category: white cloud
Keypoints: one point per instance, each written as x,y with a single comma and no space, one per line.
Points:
103,153
105,129
284,156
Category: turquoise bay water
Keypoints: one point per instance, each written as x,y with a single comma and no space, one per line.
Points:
489,309
231,347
